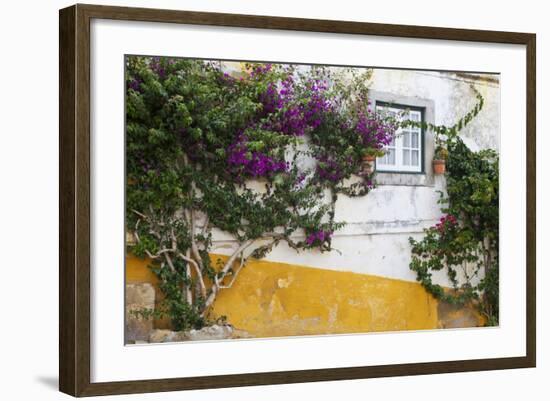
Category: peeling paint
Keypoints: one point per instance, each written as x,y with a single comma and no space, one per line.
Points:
277,299
366,285
318,301
375,238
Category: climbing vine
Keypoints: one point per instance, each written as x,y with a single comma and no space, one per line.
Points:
464,243
258,154
444,134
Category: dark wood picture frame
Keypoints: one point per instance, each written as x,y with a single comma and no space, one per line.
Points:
74,203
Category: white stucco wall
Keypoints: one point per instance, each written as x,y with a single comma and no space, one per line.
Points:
375,240
453,98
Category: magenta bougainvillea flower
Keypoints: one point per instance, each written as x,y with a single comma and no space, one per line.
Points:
445,222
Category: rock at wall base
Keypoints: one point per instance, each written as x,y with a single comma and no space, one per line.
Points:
208,333
456,316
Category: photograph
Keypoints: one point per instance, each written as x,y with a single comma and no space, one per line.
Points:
271,201
267,199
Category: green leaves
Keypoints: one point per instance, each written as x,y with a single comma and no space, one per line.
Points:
190,122
156,136
443,134
473,197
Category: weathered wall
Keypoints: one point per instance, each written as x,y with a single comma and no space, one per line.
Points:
273,299
366,285
375,240
276,299
453,98
138,272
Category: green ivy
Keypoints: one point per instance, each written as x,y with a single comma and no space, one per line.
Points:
210,150
262,155
465,241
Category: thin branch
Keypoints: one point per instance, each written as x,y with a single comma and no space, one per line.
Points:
231,260
169,261
234,276
159,253
166,251
205,225
197,270
136,235
194,247
173,238
284,237
223,273
188,293
243,262
140,214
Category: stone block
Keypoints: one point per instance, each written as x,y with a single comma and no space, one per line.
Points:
138,296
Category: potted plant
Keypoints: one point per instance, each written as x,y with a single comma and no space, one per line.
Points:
369,157
371,154
440,156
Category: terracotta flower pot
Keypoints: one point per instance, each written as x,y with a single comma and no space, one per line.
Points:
369,158
439,167
367,165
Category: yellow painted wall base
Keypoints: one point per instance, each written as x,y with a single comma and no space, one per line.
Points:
276,299
272,299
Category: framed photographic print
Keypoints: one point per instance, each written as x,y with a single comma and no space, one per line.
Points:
250,200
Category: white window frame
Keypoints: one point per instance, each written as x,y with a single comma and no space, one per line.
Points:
399,166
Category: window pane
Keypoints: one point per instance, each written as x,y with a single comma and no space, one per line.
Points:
406,143
406,157
390,156
387,151
414,158
406,139
414,139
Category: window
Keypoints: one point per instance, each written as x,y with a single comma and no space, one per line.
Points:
405,152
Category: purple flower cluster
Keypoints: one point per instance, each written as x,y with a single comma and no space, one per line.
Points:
300,180
255,164
318,237
296,118
135,84
157,67
227,79
292,121
147,167
271,100
299,118
319,105
376,132
330,169
260,69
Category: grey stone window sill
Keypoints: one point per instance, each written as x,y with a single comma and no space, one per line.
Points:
405,179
